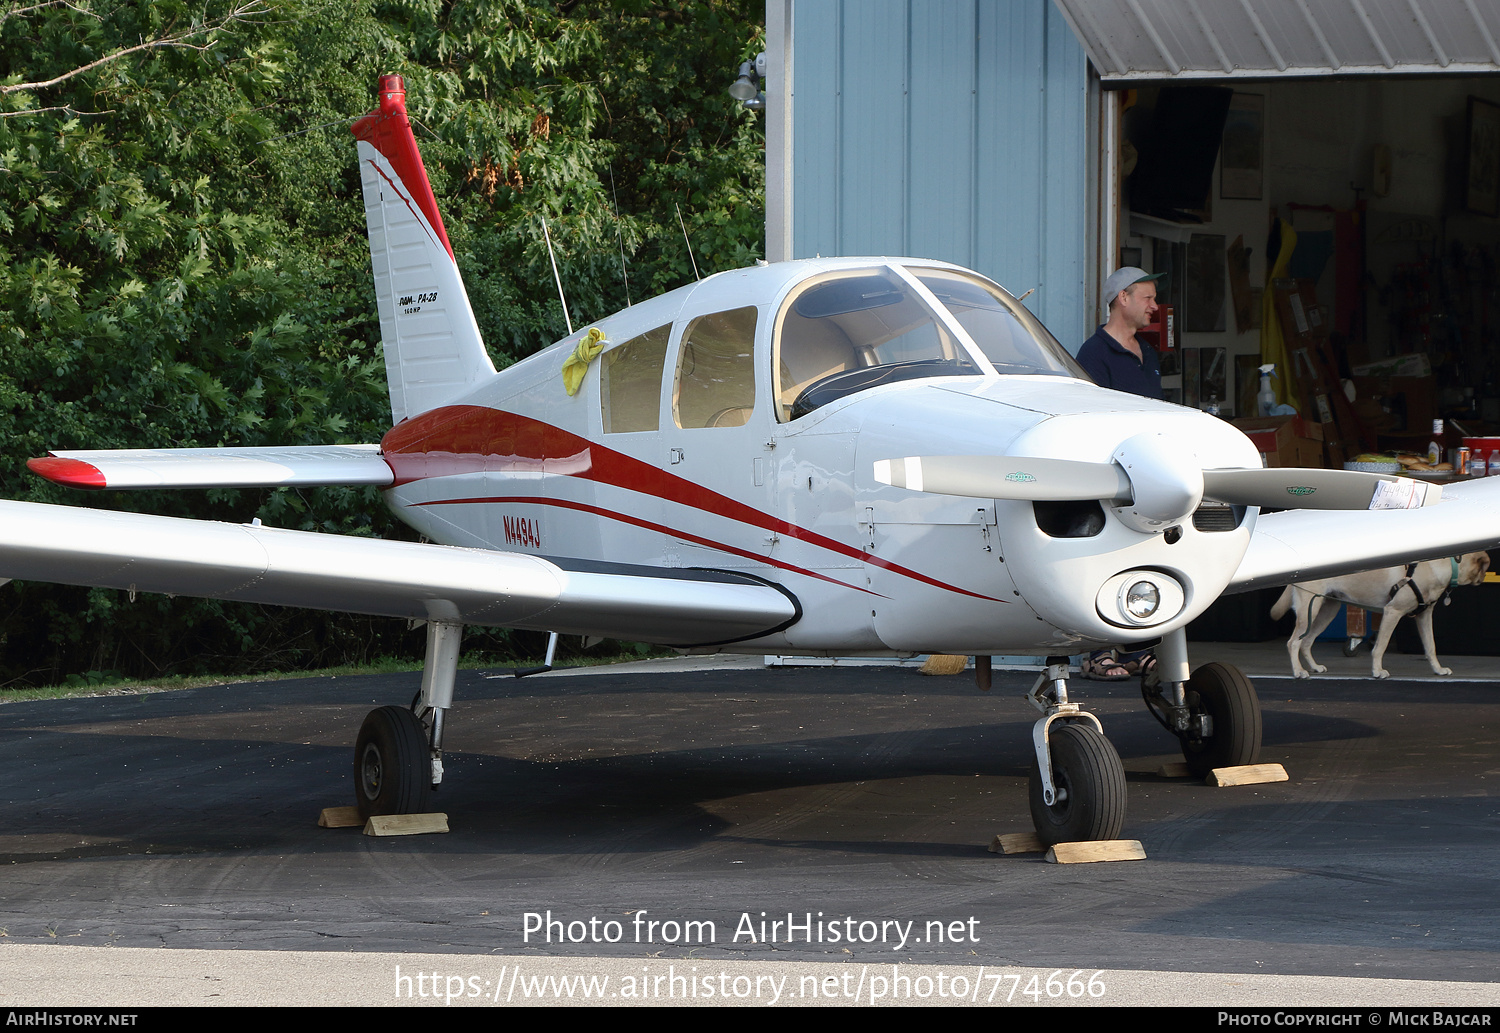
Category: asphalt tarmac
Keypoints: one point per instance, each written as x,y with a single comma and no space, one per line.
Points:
854,799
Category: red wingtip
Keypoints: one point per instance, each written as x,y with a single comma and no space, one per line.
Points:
72,473
388,130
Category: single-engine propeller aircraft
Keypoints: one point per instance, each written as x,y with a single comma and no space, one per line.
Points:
852,456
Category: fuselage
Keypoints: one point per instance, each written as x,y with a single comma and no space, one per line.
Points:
734,424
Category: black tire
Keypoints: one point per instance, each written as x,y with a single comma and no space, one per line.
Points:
392,764
1226,695
1086,766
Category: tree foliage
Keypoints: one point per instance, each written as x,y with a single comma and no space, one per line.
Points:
183,259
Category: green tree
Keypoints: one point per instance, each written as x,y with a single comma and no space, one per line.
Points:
183,259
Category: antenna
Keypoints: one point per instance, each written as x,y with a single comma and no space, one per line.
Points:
620,234
558,277
686,241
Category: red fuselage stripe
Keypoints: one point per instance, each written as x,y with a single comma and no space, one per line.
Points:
584,507
467,439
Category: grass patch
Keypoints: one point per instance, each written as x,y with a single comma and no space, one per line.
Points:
97,684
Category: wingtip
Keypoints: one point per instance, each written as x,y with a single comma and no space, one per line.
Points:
71,473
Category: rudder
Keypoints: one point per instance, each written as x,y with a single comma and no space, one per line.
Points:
433,350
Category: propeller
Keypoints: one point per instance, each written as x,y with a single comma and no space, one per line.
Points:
1157,486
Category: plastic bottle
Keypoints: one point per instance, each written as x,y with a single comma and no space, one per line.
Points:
1212,408
1265,398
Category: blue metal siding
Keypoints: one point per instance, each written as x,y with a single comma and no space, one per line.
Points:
949,129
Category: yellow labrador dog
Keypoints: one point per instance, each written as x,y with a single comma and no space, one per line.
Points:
1395,591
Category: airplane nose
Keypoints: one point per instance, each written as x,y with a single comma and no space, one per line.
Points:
1165,477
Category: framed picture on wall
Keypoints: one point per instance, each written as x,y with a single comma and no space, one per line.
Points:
1240,161
1482,171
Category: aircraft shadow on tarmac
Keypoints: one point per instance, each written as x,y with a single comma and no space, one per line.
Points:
842,761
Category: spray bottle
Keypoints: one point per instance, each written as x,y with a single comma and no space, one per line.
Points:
1265,399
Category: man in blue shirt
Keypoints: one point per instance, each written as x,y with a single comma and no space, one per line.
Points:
1113,357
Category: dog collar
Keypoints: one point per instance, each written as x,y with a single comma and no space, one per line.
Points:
1453,575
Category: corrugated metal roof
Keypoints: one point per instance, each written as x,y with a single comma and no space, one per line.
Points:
1215,39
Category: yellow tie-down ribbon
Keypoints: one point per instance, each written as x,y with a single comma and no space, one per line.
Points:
576,366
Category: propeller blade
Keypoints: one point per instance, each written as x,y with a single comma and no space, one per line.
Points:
1292,488
1006,477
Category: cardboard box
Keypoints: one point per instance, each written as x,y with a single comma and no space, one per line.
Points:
1284,441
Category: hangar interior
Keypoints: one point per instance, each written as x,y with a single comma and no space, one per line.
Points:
1389,186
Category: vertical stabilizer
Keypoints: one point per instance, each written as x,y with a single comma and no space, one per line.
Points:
433,351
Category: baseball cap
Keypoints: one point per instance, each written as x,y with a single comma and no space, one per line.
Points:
1125,277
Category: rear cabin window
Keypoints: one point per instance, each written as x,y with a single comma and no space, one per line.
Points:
715,384
630,382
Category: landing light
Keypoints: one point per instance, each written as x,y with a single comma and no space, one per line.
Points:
1141,600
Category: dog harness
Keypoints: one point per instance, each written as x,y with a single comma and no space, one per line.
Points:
1422,604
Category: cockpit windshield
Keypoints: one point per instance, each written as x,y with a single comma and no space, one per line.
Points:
849,331
1011,337
855,329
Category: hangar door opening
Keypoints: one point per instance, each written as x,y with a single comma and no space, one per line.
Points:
1327,175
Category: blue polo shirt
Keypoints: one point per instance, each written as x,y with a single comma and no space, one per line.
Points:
1106,360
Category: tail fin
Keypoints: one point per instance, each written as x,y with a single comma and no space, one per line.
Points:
1282,603
433,351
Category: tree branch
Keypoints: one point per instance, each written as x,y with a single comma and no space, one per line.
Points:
240,12
58,107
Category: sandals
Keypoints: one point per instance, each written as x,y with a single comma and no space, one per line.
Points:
1104,668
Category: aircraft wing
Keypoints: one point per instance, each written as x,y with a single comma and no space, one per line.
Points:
296,466
253,563
1305,545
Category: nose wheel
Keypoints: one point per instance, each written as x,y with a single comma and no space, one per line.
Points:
1088,788
1077,784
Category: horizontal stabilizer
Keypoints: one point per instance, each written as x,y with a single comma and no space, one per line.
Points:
251,563
299,466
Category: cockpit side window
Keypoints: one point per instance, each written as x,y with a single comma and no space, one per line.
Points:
837,326
630,382
715,384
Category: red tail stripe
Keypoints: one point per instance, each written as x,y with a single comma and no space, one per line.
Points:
473,439
388,130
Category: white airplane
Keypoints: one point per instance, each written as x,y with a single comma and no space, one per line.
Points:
853,456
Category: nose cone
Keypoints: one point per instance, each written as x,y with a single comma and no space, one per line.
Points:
1166,480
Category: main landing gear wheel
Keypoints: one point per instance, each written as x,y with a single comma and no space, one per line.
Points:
1224,694
392,764
1091,788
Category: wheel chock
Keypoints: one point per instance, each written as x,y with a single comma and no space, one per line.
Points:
1097,850
406,824
1247,775
1175,769
339,818
1017,843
